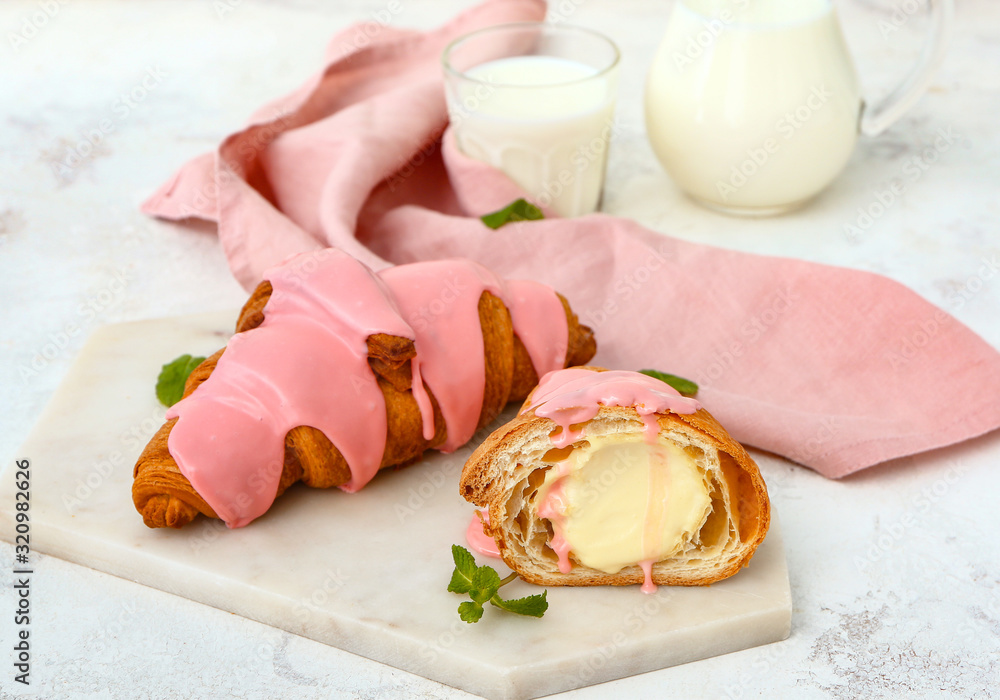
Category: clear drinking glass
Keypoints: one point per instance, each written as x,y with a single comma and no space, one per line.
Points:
537,102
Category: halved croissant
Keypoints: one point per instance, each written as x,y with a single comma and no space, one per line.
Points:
513,472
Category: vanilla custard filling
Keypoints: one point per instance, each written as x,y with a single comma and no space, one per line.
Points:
618,502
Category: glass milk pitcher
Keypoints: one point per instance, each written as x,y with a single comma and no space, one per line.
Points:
753,106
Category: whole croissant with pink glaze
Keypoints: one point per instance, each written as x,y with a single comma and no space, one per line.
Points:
336,372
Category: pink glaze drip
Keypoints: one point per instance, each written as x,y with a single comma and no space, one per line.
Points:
651,427
307,364
572,396
561,547
479,540
423,400
566,436
441,302
647,572
553,508
533,308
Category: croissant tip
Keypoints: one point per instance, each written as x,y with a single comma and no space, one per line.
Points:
165,511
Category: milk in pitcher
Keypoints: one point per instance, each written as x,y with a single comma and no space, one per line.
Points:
752,106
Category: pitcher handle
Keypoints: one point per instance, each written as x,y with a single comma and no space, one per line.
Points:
878,117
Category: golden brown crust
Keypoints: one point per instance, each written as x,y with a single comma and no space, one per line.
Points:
484,482
498,352
252,313
581,344
165,498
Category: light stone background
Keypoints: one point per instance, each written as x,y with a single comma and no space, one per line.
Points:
894,572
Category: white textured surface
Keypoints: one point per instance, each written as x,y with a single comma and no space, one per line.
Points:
893,571
364,572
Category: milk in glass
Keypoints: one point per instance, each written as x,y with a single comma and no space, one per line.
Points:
545,121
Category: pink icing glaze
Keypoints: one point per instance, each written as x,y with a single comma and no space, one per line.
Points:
229,439
440,300
479,540
423,400
553,508
307,364
647,572
572,396
533,307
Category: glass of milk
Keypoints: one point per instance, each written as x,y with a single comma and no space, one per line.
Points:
754,106
537,102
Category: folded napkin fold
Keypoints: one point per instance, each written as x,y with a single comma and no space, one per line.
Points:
833,368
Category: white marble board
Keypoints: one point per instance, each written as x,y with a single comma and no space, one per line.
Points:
365,572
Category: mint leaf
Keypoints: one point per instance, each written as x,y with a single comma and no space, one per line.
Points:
170,383
684,386
481,583
485,583
459,582
465,569
533,605
518,210
470,612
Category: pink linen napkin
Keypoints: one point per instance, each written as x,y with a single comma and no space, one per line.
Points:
833,368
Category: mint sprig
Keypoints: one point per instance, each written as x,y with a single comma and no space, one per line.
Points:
684,386
170,383
518,210
482,584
